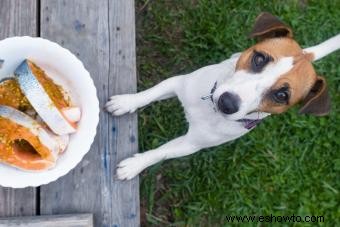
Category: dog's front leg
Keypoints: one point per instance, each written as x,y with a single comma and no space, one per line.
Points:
130,167
128,103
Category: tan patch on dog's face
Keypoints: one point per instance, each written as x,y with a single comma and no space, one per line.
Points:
296,83
276,48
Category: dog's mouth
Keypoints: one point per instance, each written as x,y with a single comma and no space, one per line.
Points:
252,119
249,123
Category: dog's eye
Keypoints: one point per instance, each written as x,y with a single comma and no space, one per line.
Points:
281,96
258,61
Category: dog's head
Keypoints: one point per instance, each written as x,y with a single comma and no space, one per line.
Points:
273,75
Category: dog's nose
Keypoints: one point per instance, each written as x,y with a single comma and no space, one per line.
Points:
228,103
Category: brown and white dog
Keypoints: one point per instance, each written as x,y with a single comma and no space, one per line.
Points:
225,101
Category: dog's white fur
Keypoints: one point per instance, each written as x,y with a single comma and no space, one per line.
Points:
207,126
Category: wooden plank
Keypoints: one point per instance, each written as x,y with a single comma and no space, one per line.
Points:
17,18
84,31
123,130
75,220
93,30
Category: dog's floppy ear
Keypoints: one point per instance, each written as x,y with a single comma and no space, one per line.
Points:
269,26
317,102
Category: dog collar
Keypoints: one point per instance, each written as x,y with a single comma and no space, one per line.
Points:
249,123
210,96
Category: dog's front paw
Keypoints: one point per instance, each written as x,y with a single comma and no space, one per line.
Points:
122,104
130,167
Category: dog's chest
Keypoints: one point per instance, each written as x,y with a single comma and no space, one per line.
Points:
213,130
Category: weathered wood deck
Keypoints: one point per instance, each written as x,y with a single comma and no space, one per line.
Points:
102,34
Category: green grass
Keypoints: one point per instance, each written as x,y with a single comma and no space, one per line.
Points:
289,165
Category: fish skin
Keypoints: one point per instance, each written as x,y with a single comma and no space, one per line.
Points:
40,100
55,144
5,79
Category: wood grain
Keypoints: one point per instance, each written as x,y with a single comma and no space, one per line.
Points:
123,138
17,18
101,34
74,220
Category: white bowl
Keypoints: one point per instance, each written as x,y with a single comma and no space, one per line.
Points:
67,70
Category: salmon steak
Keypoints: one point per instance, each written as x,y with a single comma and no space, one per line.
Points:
47,98
11,95
25,143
